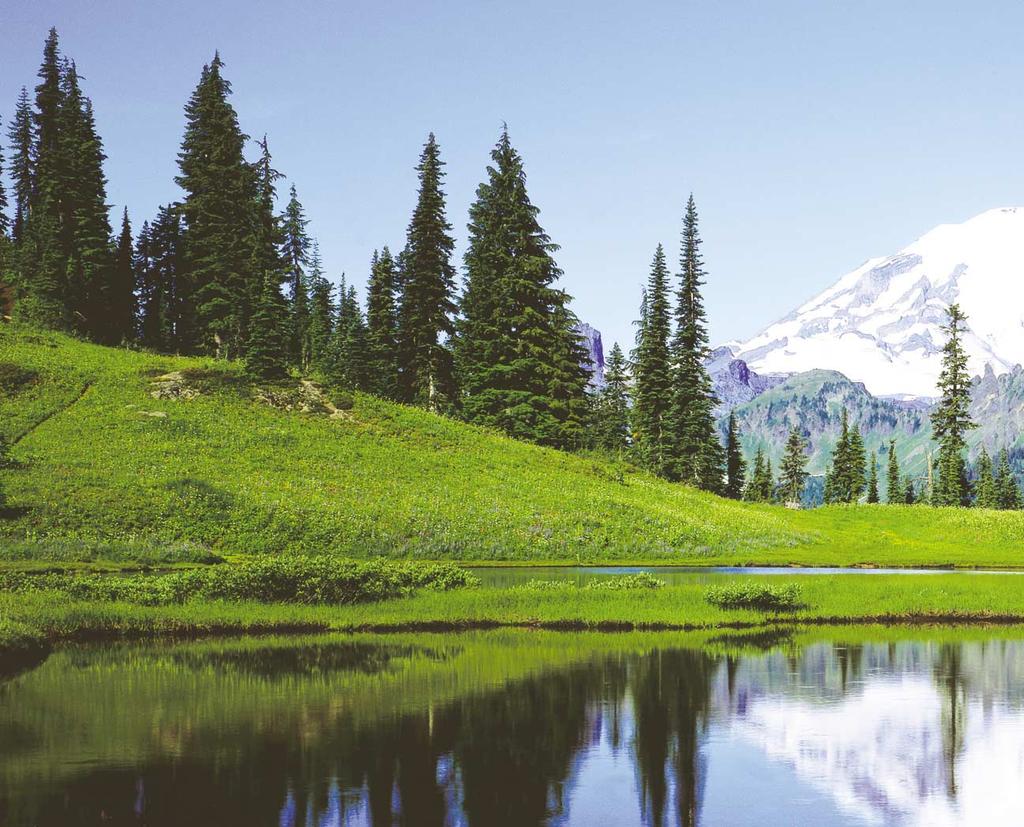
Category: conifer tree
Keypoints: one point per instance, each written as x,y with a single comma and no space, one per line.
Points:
894,492
121,295
846,480
873,481
42,261
322,313
909,492
5,220
382,325
752,488
767,483
520,358
695,450
427,308
266,352
951,419
295,253
793,468
612,407
351,357
20,133
652,371
218,211
735,467
1007,491
985,493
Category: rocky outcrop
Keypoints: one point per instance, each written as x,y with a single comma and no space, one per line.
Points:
591,338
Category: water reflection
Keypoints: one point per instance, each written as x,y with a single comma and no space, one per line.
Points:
517,729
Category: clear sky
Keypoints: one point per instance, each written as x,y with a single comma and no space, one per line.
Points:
814,134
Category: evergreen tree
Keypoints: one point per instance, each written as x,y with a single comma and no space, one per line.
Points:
846,480
951,419
909,494
695,450
1007,491
520,358
382,325
652,371
612,406
267,351
41,260
351,363
295,253
985,495
873,481
5,221
84,214
735,467
761,485
857,469
894,492
20,133
121,295
428,307
793,468
165,292
218,212
322,312
767,486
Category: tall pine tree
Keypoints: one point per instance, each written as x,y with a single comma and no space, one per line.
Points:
321,314
20,134
218,210
652,372
382,324
121,295
295,253
985,493
735,467
894,492
1007,491
520,359
793,469
696,452
951,419
428,307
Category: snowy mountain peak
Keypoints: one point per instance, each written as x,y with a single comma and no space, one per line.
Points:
881,323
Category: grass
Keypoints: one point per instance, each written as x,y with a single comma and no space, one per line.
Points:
104,467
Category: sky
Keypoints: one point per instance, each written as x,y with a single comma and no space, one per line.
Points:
813,135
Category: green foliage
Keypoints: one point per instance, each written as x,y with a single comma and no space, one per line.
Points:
873,481
847,478
287,579
611,409
735,466
519,358
624,582
428,279
755,594
760,487
1008,494
382,325
895,491
985,492
793,469
951,419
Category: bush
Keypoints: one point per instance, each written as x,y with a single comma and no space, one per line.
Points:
642,580
307,580
545,586
752,594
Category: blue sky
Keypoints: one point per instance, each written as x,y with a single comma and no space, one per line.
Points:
813,134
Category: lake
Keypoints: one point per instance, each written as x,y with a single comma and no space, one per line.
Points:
506,576
824,727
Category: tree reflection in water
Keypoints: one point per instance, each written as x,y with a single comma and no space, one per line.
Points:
449,734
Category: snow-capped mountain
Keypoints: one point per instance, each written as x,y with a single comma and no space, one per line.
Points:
881,324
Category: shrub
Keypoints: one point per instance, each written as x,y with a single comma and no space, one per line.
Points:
641,580
545,586
753,594
308,580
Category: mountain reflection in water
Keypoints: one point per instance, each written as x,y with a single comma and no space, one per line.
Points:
517,729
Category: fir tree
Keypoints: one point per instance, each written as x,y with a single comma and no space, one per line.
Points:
382,325
873,481
735,467
1007,491
295,253
165,293
612,405
322,312
121,295
652,371
909,494
695,450
20,133
428,307
793,468
267,352
985,493
218,211
951,419
761,485
351,362
5,221
520,359
846,480
767,484
894,492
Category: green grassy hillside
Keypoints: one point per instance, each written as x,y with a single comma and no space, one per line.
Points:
214,463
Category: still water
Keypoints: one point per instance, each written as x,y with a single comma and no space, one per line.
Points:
506,576
522,728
